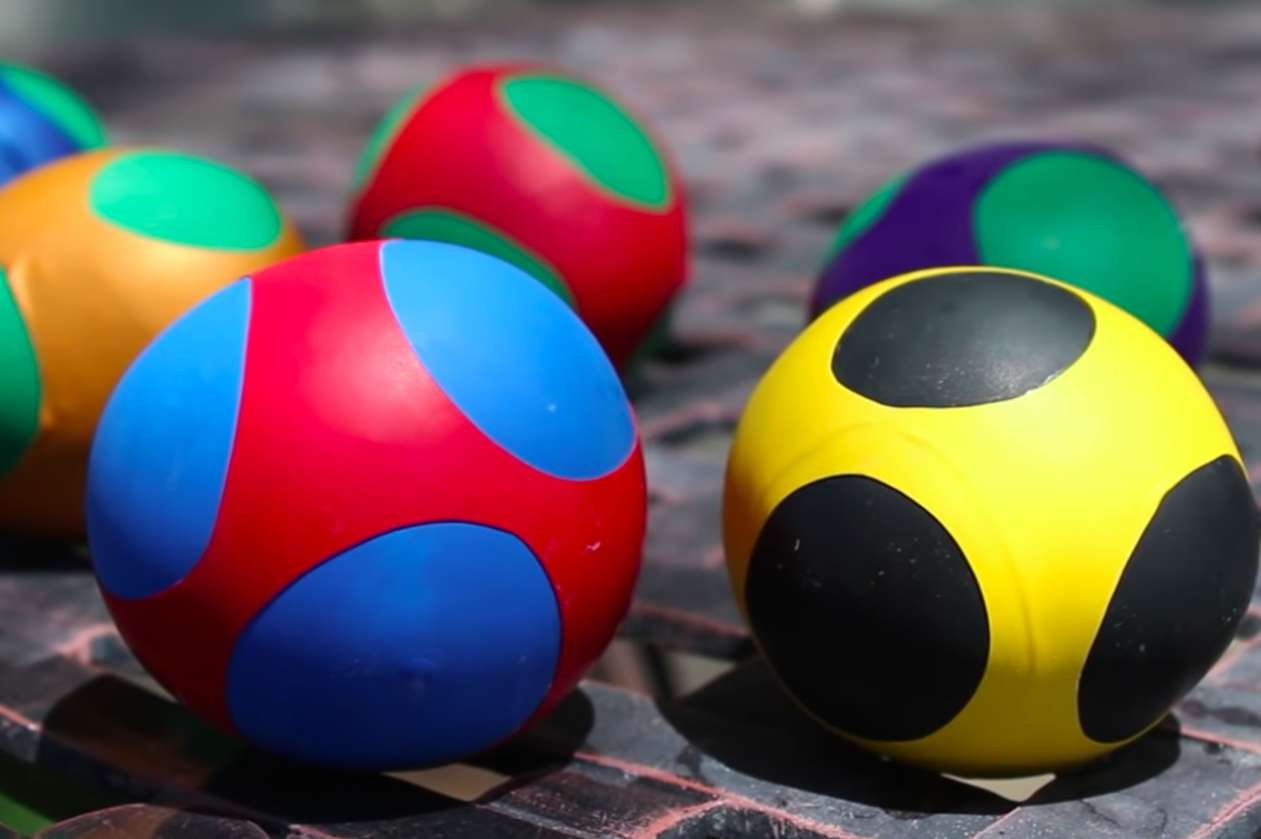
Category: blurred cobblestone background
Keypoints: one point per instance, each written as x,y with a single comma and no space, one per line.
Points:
780,117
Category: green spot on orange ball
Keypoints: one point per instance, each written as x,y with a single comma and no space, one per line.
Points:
19,382
1091,222
593,131
187,200
57,102
442,225
383,135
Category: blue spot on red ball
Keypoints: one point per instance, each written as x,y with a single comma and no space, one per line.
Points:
160,456
420,646
514,359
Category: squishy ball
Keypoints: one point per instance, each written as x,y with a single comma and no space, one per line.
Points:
41,120
98,252
545,171
374,507
1068,211
986,522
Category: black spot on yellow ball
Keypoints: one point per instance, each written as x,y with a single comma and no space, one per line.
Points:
1181,596
867,609
962,339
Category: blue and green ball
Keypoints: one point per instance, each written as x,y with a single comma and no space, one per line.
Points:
41,120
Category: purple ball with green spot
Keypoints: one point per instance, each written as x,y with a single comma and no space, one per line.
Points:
1070,211
41,120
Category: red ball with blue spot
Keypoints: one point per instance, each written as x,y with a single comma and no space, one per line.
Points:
376,506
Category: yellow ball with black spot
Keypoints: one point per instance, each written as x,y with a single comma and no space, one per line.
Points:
987,523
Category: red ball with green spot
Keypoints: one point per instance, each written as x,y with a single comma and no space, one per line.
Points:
543,170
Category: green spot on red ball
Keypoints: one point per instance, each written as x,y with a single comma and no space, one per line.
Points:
187,200
594,132
441,225
19,382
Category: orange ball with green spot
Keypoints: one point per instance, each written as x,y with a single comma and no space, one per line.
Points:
98,252
541,169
